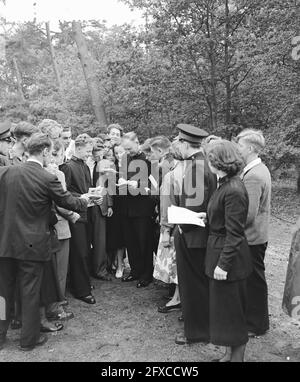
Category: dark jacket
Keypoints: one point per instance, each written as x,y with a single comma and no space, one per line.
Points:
227,246
198,186
27,192
78,179
140,204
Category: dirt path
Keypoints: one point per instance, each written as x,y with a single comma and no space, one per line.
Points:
124,325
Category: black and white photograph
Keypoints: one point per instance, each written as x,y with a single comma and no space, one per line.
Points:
149,183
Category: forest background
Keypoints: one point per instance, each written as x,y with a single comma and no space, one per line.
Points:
223,65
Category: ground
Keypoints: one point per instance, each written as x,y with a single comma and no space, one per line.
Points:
124,325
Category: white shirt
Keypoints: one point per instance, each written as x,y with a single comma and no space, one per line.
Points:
250,165
35,161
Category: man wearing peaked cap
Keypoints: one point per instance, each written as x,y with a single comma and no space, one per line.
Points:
190,133
5,143
198,185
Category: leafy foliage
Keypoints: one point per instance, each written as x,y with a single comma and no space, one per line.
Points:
223,65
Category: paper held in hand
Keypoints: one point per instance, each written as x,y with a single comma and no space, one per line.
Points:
94,193
179,215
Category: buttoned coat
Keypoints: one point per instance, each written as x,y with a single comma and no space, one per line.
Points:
27,193
227,245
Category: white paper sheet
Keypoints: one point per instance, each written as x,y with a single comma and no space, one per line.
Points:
179,215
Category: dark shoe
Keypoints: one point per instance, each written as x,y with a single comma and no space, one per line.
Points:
128,279
41,341
16,324
60,316
182,340
87,299
167,309
142,284
256,335
180,318
48,329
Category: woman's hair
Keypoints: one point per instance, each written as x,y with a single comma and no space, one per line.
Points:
225,156
51,127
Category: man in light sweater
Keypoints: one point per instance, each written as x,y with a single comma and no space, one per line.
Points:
257,180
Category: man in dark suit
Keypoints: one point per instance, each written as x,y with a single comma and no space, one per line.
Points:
190,241
26,197
257,180
78,181
138,210
5,143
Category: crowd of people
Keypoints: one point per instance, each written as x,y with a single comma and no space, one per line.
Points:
73,210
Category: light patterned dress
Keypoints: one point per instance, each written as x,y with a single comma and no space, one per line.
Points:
165,268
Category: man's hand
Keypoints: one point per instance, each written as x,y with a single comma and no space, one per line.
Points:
110,212
166,239
75,216
219,274
85,197
98,201
202,216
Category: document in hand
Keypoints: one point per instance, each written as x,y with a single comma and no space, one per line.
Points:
94,194
179,215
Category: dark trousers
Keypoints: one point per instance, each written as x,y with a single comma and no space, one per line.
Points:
29,276
50,291
79,250
193,289
97,236
138,232
257,292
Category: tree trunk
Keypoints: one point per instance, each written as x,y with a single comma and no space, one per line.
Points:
55,66
90,76
212,58
19,80
227,80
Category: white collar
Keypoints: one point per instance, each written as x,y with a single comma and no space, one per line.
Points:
252,164
35,161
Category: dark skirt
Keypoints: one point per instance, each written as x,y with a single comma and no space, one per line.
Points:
227,311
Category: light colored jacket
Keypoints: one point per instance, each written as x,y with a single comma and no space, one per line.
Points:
258,184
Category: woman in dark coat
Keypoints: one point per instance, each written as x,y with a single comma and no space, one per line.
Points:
228,261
